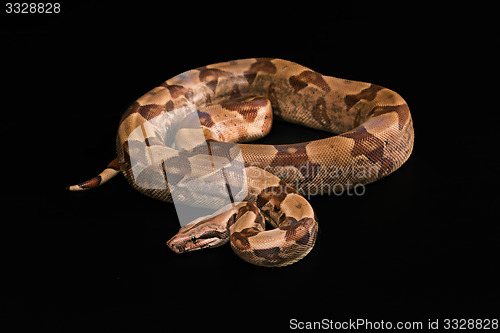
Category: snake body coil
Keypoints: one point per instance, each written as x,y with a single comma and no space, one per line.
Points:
235,102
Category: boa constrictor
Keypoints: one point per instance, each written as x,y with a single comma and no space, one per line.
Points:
235,102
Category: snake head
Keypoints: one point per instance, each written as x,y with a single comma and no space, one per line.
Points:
197,236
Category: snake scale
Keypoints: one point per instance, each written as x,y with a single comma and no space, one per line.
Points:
236,101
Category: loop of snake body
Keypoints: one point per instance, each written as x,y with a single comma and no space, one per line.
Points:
235,102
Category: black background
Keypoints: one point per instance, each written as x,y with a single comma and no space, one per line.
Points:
420,244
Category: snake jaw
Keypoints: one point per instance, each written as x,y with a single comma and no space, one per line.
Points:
201,234
181,243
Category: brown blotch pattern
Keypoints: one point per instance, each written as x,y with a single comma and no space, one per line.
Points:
370,146
368,94
240,239
261,65
358,118
402,111
231,221
235,92
169,106
176,90
299,82
205,119
274,194
133,108
297,231
248,109
271,254
210,76
271,95
295,155
151,111
148,111
94,182
320,113
250,207
114,164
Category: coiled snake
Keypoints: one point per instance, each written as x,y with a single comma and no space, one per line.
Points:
235,102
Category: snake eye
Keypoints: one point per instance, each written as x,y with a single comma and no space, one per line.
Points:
193,239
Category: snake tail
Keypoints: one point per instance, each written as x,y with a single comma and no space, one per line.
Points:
111,171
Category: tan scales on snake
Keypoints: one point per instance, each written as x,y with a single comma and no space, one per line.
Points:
235,102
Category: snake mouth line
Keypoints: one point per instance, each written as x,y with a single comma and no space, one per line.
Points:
189,245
